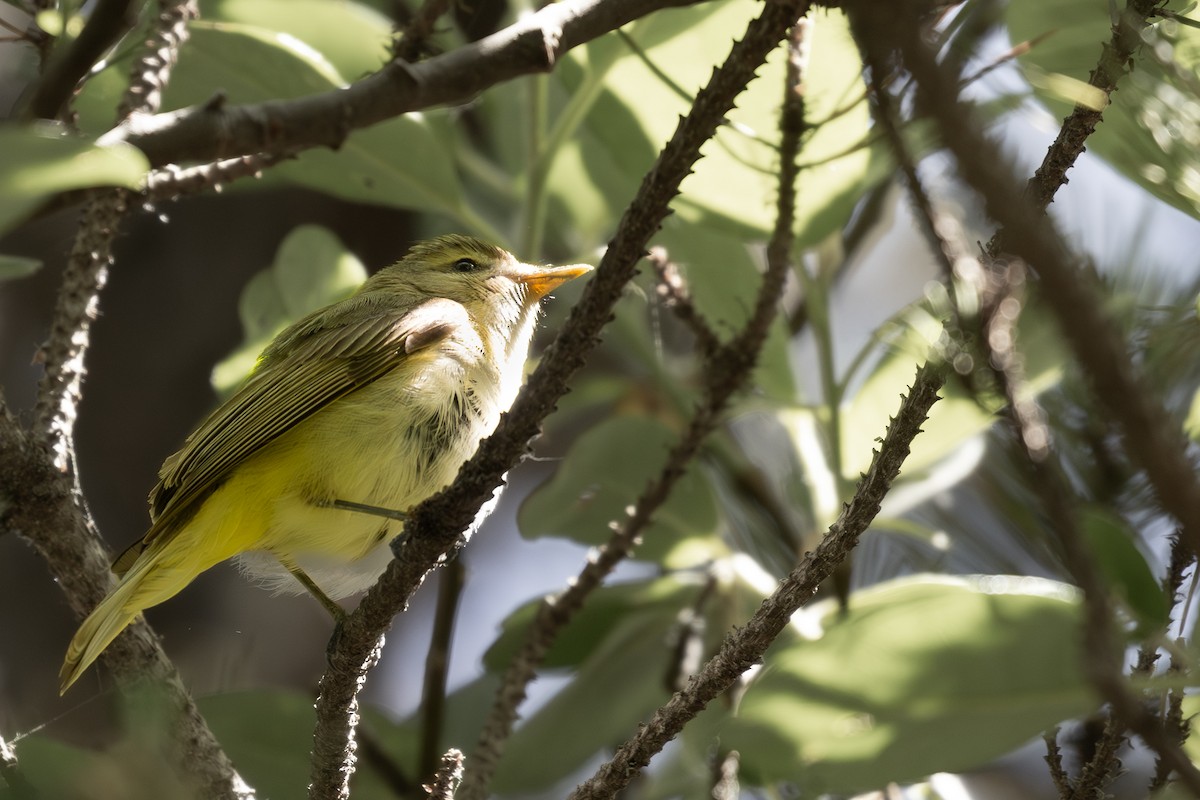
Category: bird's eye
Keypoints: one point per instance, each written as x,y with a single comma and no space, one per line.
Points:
465,265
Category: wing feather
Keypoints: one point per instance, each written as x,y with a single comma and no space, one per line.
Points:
318,360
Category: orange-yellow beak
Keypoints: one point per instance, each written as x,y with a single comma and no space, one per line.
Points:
544,280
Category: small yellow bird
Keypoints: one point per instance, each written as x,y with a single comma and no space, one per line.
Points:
352,415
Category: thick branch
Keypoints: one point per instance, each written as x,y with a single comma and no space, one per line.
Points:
744,647
533,44
434,526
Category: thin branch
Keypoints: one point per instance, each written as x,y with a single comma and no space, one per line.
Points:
172,182
153,67
109,20
674,294
727,367
437,664
60,389
434,526
413,41
1116,59
46,505
531,45
1151,438
1053,758
448,777
745,646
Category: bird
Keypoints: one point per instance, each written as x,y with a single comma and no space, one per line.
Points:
350,416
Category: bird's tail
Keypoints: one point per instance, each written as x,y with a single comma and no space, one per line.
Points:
147,583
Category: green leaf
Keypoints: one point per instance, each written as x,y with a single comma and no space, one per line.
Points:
923,674
736,183
39,162
398,163
354,38
312,269
1113,544
268,734
616,688
12,267
723,279
1151,131
605,470
592,624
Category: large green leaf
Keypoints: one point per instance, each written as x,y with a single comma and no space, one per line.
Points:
399,163
736,183
1151,132
354,38
605,470
312,269
923,674
617,687
40,162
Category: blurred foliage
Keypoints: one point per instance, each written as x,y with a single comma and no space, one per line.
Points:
925,672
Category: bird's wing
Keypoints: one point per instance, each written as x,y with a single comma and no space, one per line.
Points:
319,359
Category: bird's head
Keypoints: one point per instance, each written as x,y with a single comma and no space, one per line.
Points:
488,281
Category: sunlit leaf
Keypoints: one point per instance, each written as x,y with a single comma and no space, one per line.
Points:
924,674
1151,131
39,162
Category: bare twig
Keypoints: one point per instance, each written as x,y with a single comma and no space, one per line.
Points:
46,505
437,663
70,333
674,295
1062,782
745,646
413,41
448,777
153,68
434,526
727,367
1150,438
172,182
1116,58
109,20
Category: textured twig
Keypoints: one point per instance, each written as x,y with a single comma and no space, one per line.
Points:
153,68
413,41
674,295
1062,781
530,45
172,182
727,367
745,646
437,664
434,526
1116,59
448,777
46,507
41,507
1152,440
78,301
107,22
